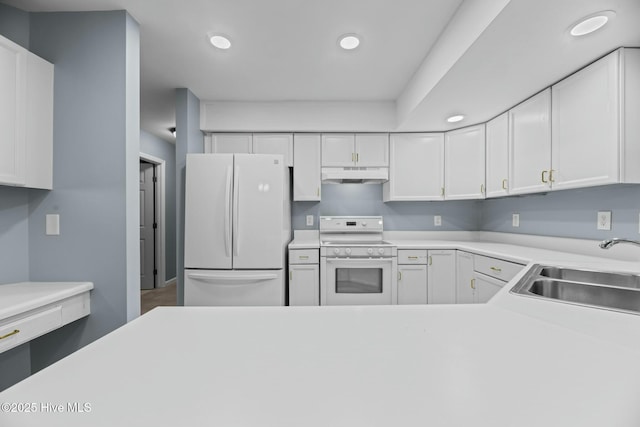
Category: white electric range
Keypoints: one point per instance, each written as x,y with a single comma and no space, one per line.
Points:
357,267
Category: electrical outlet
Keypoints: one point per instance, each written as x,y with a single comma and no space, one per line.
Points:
437,220
604,220
309,220
515,220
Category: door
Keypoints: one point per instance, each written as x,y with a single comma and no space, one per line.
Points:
416,167
498,156
306,171
233,288
338,150
585,126
357,281
304,284
258,211
441,283
530,145
274,143
229,143
207,218
147,225
486,287
464,163
412,284
372,150
464,278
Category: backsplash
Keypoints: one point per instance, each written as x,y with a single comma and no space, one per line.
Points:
366,199
568,213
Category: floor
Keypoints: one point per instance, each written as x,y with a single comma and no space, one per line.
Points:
157,297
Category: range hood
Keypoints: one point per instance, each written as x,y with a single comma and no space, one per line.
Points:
352,175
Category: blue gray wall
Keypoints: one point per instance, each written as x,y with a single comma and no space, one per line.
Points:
151,144
14,25
366,199
567,213
189,139
92,176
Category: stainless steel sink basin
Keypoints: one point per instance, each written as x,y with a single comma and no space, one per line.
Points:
606,290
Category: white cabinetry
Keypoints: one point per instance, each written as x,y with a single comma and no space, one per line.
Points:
595,126
497,158
464,278
412,276
304,277
349,150
464,163
26,117
490,275
530,145
306,169
416,168
247,143
442,277
274,143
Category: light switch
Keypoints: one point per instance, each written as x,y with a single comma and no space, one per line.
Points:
309,220
53,225
437,220
515,220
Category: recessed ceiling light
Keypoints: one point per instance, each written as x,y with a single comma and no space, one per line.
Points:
456,118
349,41
591,23
220,41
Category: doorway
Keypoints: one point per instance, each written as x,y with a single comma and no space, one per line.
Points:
148,225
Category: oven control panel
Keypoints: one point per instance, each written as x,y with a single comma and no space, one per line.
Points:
351,224
360,251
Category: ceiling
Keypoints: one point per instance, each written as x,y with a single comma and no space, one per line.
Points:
432,57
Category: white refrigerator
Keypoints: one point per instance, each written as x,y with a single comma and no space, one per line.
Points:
237,227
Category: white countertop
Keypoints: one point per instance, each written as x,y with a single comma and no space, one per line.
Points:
441,365
515,361
17,298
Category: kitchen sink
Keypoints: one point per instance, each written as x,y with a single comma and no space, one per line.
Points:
605,290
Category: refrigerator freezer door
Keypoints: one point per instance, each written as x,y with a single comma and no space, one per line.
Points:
258,211
233,288
208,211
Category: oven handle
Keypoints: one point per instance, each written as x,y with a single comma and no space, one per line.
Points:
361,260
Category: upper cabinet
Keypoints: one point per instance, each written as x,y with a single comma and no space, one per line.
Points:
361,150
416,167
497,157
274,143
256,143
26,117
530,145
595,129
464,163
306,167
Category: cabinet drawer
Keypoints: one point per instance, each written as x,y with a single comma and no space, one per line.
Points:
25,329
498,268
412,256
304,256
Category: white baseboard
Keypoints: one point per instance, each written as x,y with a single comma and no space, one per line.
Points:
168,283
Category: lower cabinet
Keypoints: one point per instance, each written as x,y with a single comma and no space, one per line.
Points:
465,293
442,277
485,287
304,277
412,276
490,275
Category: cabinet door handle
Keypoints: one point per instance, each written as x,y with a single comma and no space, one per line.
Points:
504,184
15,332
430,260
399,275
413,257
353,157
303,257
442,191
496,269
473,283
543,177
357,157
551,176
291,275
481,188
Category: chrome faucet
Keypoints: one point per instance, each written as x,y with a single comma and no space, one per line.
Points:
606,244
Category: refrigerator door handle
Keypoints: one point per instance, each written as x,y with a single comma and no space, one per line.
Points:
236,206
232,279
227,214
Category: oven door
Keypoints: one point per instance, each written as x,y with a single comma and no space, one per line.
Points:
353,281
